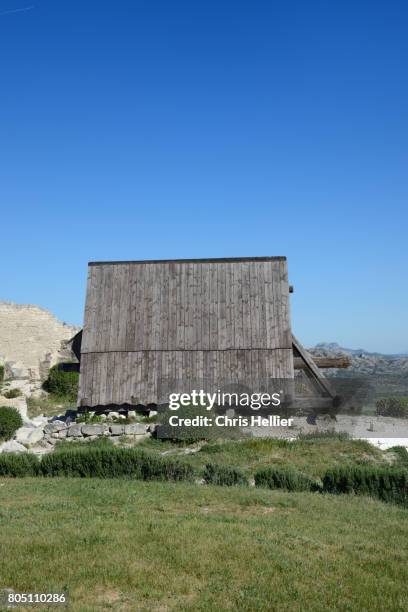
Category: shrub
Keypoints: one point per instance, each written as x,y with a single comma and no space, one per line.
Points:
10,421
12,393
62,383
386,483
111,463
19,464
285,478
223,475
401,455
393,407
1,373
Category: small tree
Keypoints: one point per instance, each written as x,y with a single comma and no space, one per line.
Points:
62,383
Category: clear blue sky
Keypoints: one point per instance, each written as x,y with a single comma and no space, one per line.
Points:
148,130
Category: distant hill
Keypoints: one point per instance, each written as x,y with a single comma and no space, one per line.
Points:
388,374
333,346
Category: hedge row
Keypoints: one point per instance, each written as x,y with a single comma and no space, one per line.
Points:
390,484
285,478
222,475
385,483
96,463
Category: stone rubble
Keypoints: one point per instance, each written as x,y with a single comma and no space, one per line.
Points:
40,434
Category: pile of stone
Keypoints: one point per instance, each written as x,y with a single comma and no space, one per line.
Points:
39,435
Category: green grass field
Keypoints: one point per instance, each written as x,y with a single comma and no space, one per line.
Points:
128,545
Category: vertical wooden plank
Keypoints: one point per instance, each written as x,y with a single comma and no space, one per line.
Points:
205,306
156,298
268,300
237,305
221,305
286,339
138,341
197,306
112,315
129,344
275,305
229,306
172,320
164,307
124,310
103,378
246,306
148,305
213,307
240,366
254,304
261,305
188,303
180,306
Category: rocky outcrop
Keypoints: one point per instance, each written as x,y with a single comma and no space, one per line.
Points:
362,362
32,339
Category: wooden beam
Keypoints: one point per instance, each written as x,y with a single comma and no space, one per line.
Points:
311,369
324,362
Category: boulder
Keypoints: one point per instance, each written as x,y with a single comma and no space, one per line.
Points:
132,414
54,427
117,430
23,434
35,436
12,446
74,431
135,429
153,413
93,429
113,415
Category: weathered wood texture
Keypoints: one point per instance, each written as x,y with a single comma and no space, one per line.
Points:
203,319
324,362
312,371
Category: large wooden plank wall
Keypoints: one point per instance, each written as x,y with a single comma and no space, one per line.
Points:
201,319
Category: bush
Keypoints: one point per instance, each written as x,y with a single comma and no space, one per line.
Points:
1,373
10,421
12,393
401,455
285,478
386,483
112,463
222,475
19,465
393,407
61,383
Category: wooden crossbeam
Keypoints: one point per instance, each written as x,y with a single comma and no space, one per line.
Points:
311,369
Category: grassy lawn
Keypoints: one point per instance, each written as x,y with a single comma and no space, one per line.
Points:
127,545
313,456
